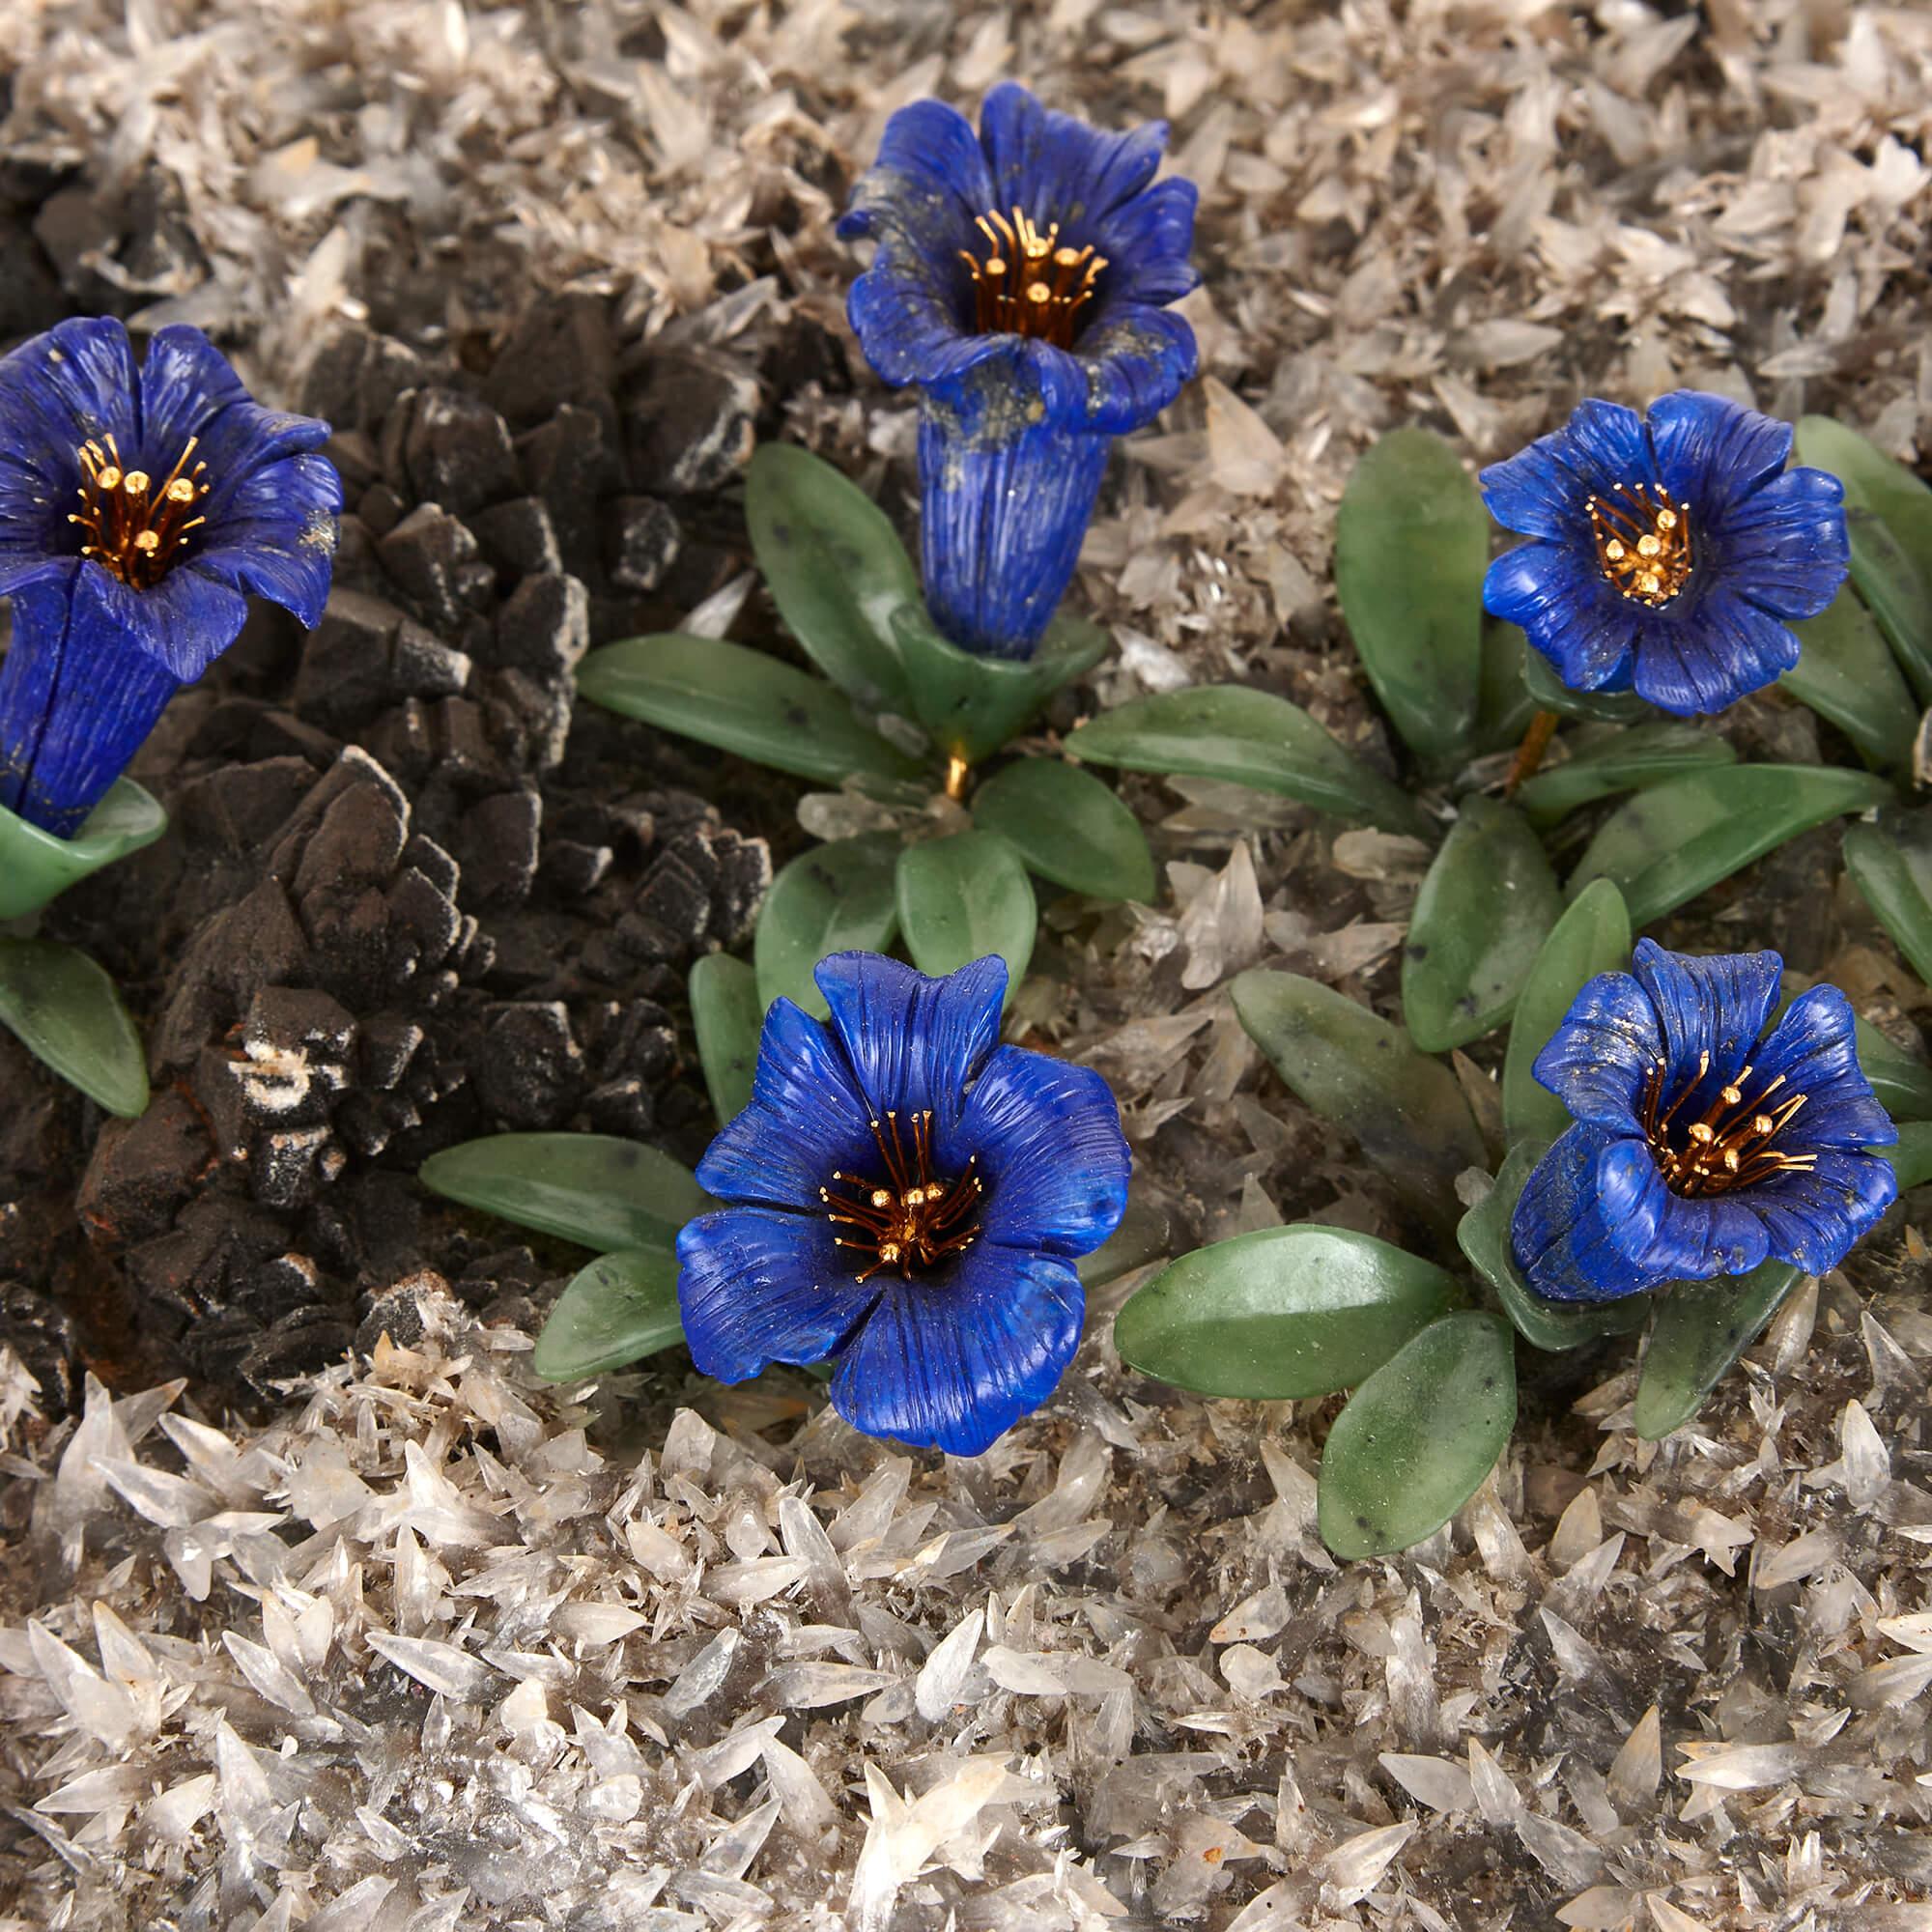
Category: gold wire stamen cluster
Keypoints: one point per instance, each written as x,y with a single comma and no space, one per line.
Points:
1030,284
914,1219
1643,541
1731,1146
134,528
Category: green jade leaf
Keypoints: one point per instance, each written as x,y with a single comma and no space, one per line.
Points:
1607,761
68,1014
35,866
1891,863
728,1017
963,899
831,898
1702,1327
1847,674
1069,828
620,1308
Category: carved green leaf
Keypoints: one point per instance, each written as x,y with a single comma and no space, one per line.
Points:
1609,759
728,1017
1068,827
594,1189
831,898
1891,863
1702,1327
617,1310
963,899
67,1013
34,865
1847,674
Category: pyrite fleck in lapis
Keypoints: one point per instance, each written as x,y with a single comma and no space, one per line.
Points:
138,508
905,1197
1706,1140
1668,555
1022,281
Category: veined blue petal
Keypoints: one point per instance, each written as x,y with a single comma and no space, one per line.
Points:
73,385
185,383
1147,242
756,1287
1814,1052
1715,1007
1567,611
273,532
1050,1148
1600,1059
1673,1237
933,147
1560,1238
952,1364
913,1042
1815,1219
185,621
1058,168
1711,451
1710,656
806,1122
1537,493
1136,359
1786,547
1606,445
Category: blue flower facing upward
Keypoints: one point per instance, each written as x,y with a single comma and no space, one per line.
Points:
137,509
1703,1144
906,1198
1022,280
1668,553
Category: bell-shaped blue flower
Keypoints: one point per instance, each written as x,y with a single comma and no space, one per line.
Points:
138,508
1667,553
1704,1145
1022,280
905,1199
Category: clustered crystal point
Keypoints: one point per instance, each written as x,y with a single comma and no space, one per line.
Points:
1022,281
905,1199
1668,553
1706,1141
138,508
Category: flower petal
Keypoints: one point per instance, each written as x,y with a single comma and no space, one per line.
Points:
273,532
1668,1235
1707,657
1786,547
185,621
1559,1238
953,1363
1147,241
913,1042
1814,1048
805,1122
1815,1219
1057,168
185,383
1600,1060
1716,1005
1606,446
1569,612
74,383
1055,1163
1711,451
1136,361
1537,493
934,152
758,1287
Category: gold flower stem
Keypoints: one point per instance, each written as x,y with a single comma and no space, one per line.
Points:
957,771
1529,753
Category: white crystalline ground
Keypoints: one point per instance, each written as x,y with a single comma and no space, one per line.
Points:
440,1647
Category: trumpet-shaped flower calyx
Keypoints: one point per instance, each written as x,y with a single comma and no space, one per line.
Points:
138,508
1668,553
905,1197
1022,281
1706,1141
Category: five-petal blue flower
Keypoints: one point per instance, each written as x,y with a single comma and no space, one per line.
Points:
906,1198
1022,280
1703,1144
137,509
1668,553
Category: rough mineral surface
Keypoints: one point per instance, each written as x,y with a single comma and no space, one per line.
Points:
359,1629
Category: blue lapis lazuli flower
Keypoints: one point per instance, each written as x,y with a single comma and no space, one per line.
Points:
1668,553
138,508
1706,1141
1022,281
905,1197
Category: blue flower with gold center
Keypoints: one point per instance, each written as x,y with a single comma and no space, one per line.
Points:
906,1198
1668,553
1022,280
1706,1140
138,508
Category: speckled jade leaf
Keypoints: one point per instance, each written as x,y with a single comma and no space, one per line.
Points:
68,1014
1891,863
1889,519
1485,908
622,1307
1412,544
1606,761
1550,692
1702,1327
835,569
1068,827
1418,1436
1484,1237
1143,1235
1251,738
1912,1157
1280,1313
1846,673
1593,936
1667,844
963,899
35,866
1506,707
740,700
726,1015
1351,1067
594,1189
833,898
